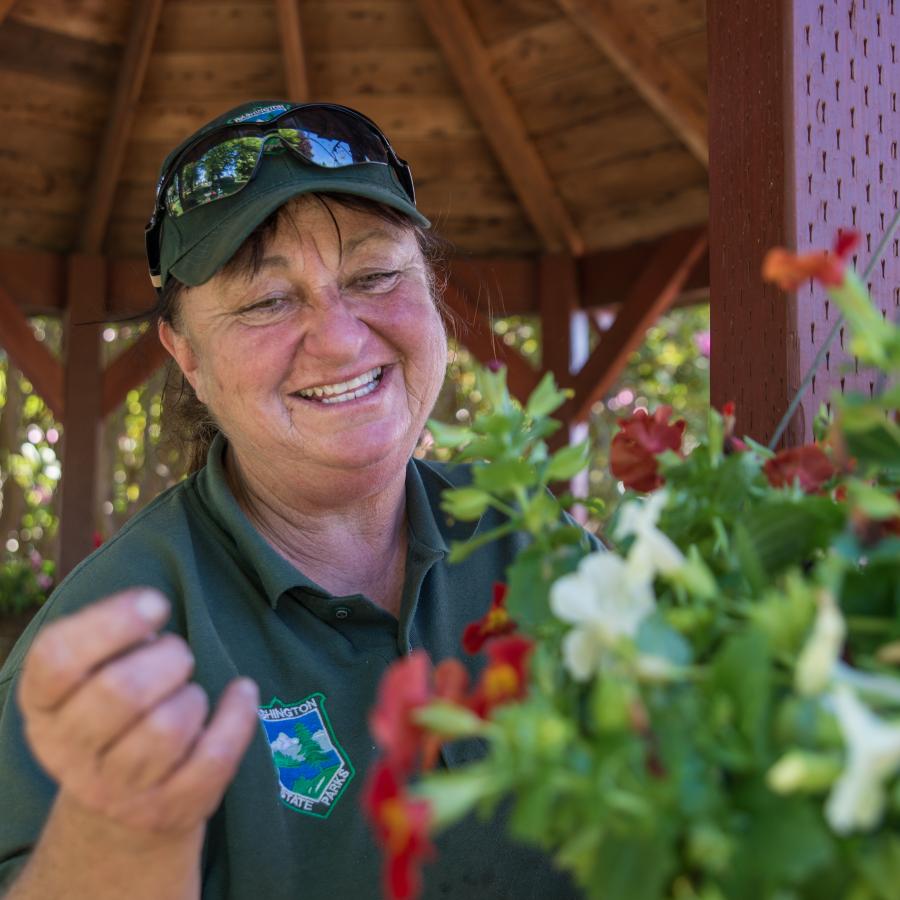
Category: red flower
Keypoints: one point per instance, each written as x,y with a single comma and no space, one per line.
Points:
809,465
731,444
505,677
640,438
495,622
406,687
401,828
789,270
403,689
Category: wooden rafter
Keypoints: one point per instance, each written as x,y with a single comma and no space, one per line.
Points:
135,60
5,7
501,124
27,353
478,338
662,280
131,368
290,33
620,32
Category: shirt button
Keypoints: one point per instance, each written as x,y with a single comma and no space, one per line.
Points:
342,612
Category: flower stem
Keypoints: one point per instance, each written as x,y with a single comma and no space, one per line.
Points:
820,356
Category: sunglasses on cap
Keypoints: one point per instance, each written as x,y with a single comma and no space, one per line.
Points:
223,161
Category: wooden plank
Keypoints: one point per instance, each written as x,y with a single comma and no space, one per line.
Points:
69,108
129,292
389,25
131,368
121,116
293,54
5,7
27,229
475,333
502,19
209,73
501,123
35,279
86,290
217,25
368,70
98,21
27,353
658,286
510,283
56,57
620,32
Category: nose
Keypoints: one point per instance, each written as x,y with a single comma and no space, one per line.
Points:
333,331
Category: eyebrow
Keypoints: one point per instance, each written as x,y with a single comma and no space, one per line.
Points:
355,242
273,262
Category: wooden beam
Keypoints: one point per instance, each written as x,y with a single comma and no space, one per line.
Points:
27,353
293,56
86,284
621,33
131,368
502,125
36,279
135,59
5,7
661,282
477,336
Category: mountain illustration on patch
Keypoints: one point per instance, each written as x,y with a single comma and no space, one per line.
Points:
312,768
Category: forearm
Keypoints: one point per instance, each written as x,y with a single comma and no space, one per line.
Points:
81,857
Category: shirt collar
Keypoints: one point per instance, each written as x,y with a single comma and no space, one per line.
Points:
429,528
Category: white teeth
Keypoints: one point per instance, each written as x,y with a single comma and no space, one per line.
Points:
346,390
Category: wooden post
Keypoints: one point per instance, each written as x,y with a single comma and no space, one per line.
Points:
803,141
83,392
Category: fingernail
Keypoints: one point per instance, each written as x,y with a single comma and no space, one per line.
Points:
151,606
247,687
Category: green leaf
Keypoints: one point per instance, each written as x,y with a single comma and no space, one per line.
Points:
530,577
450,720
567,462
454,794
656,637
460,550
545,398
449,435
505,476
879,861
876,503
874,340
466,503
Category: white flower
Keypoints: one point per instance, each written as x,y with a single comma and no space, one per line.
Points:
652,551
605,602
815,664
873,756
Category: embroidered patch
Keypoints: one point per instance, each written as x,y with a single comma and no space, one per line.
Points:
259,115
313,769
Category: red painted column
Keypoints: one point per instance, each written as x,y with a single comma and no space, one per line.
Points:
803,140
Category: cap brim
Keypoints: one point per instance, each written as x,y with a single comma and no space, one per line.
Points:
227,229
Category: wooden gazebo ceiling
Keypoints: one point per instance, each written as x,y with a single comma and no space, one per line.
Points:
530,125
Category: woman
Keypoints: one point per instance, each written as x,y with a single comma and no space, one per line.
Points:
298,302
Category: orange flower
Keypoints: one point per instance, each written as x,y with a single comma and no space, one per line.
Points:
505,678
495,622
401,828
808,465
632,457
789,270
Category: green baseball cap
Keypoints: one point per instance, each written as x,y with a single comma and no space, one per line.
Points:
193,246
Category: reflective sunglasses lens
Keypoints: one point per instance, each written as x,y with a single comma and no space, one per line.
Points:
212,171
331,139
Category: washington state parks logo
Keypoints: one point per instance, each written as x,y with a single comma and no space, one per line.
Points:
312,768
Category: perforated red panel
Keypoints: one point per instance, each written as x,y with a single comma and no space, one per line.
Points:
846,81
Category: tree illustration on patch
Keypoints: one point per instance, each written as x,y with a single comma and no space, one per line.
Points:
309,748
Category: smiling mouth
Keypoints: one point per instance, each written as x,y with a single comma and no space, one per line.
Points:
344,391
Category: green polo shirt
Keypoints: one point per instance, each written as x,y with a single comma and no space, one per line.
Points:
290,824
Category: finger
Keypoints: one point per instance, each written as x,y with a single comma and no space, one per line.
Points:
196,787
67,650
155,745
117,695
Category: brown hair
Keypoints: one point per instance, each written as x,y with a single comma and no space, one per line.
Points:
189,427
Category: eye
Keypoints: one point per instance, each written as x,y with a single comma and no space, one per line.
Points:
265,306
377,281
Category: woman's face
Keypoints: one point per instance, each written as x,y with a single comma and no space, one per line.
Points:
331,356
